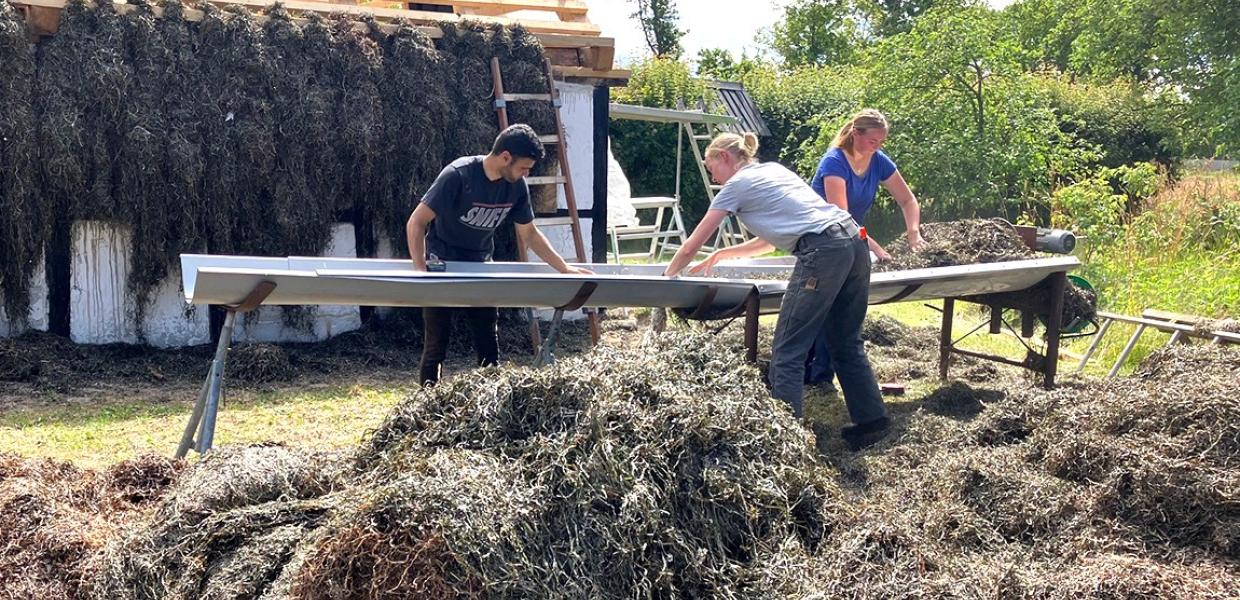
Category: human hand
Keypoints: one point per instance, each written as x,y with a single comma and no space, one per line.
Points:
883,255
706,266
578,271
915,240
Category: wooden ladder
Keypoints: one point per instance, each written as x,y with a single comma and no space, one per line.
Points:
565,179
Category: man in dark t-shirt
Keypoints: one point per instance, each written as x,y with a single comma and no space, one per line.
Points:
456,220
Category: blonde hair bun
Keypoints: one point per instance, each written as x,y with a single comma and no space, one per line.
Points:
743,147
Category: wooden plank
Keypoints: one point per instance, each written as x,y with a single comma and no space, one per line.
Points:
562,40
43,20
560,7
1162,315
570,57
577,31
524,97
588,73
545,180
601,57
417,15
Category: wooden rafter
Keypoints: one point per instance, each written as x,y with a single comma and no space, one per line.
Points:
566,10
570,44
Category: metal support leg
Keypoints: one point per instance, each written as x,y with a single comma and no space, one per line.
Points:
945,336
546,354
202,418
1054,323
215,388
996,319
1123,356
1106,324
195,417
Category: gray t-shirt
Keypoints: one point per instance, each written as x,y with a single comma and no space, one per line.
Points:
776,205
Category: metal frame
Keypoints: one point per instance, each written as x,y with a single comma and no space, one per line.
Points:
659,233
735,292
1045,298
202,419
1179,326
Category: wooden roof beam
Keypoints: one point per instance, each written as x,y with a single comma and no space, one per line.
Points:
575,56
582,31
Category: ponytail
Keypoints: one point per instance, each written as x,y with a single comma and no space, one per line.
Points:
865,119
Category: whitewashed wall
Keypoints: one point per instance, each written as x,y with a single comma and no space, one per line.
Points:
577,113
267,324
102,312
37,318
100,309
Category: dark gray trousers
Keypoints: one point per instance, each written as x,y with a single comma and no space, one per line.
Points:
829,289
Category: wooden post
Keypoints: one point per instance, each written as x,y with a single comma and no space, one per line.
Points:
752,306
945,336
1054,322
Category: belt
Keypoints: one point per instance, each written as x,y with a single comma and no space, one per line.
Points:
842,229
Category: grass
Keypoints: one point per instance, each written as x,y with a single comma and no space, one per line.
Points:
102,434
1180,254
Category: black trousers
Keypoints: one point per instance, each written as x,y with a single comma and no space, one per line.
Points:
437,334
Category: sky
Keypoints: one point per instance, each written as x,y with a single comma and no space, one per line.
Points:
728,24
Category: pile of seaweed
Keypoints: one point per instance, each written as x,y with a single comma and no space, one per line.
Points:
47,362
963,242
609,476
28,213
667,471
1124,488
974,241
55,518
234,134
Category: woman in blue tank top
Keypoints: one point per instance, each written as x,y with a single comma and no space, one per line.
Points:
848,176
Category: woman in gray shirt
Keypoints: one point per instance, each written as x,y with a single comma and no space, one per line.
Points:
829,286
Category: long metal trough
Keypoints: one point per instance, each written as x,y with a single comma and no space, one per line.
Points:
210,279
748,288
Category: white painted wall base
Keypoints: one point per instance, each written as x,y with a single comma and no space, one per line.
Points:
267,324
37,318
101,311
577,113
100,308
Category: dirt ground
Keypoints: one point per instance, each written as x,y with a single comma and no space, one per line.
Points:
40,369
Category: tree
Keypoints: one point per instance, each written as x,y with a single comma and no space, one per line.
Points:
983,133
1200,54
817,32
658,19
715,62
1188,47
886,18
